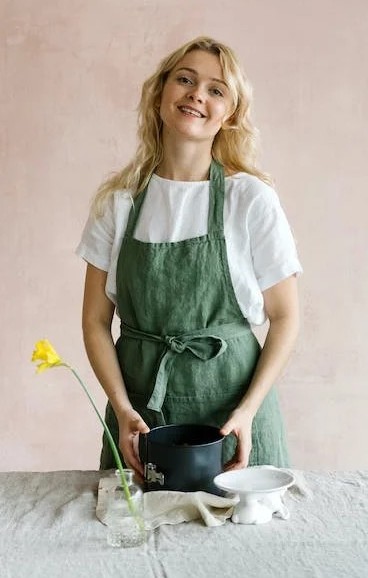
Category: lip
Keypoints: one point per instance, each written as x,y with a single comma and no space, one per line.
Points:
191,108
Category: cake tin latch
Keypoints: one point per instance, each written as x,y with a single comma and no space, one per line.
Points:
152,476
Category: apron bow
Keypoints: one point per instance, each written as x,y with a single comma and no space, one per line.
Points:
202,344
174,344
204,347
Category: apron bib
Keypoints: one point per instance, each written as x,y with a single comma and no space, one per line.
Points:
186,353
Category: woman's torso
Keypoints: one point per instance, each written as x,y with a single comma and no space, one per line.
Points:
260,247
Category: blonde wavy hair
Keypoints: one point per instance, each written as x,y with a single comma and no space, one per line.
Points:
234,146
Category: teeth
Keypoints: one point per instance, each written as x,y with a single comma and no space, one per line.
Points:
190,111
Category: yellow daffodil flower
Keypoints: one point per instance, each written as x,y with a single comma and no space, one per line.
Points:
45,353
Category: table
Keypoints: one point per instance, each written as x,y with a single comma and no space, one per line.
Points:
49,530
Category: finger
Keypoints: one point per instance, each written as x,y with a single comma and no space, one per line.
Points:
136,465
135,444
237,462
235,465
240,458
133,462
139,426
130,456
227,428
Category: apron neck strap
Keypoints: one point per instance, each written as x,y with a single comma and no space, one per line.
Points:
134,213
216,203
216,199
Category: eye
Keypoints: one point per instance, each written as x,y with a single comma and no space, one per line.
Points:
184,80
216,91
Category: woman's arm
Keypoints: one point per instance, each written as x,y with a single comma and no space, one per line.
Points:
97,317
281,305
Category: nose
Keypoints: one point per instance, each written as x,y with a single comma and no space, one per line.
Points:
195,95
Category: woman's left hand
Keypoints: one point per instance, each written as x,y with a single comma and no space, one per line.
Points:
240,424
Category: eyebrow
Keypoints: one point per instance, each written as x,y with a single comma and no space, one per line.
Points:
196,73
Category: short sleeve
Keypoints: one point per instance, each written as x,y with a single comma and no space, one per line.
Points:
97,238
272,243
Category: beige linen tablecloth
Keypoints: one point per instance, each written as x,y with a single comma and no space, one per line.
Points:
49,529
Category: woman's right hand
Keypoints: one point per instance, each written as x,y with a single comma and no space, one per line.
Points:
98,313
131,425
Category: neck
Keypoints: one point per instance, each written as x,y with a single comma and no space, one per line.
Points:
185,161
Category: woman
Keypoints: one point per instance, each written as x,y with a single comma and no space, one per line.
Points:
190,245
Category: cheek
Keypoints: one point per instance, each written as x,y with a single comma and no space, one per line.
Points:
220,111
164,105
168,99
170,92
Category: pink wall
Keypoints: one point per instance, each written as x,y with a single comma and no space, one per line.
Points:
71,72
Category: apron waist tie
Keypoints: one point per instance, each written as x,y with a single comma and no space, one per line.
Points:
205,344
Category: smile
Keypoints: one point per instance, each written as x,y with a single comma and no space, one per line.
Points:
191,111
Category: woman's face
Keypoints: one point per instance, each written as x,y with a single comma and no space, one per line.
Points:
195,100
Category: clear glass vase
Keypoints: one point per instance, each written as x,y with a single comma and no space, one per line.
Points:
125,517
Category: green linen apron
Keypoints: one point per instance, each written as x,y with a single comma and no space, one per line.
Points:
186,353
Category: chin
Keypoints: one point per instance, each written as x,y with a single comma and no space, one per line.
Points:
192,134
188,131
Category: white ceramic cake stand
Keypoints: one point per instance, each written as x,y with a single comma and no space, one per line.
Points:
260,490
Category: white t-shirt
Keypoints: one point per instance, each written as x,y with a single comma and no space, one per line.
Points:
260,246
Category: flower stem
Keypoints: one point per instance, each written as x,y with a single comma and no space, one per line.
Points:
111,442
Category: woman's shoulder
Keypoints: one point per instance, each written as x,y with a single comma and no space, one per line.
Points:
251,190
122,197
116,204
107,219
